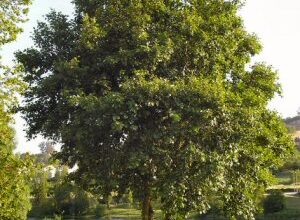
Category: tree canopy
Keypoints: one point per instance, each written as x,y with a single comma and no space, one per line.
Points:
157,96
14,193
12,14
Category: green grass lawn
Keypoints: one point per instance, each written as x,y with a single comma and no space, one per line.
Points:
292,212
293,203
128,213
288,214
133,214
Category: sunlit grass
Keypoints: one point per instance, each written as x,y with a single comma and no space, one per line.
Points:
293,202
128,213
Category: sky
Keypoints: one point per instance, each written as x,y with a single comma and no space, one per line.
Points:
37,11
275,22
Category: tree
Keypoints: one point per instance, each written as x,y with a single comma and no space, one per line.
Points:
12,14
47,149
155,97
40,181
15,192
14,172
72,200
40,184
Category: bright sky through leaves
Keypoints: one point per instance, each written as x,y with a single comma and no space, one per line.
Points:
276,22
37,11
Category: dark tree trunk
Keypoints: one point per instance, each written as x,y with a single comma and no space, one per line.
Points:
167,216
107,203
147,210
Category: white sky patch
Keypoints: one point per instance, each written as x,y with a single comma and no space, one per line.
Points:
276,23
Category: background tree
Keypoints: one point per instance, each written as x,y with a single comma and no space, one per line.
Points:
52,193
15,192
155,96
43,173
40,185
47,149
14,172
72,200
12,14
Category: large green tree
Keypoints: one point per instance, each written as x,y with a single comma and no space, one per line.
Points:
157,96
14,193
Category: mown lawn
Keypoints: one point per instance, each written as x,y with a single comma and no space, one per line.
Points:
291,213
288,214
133,214
128,213
293,202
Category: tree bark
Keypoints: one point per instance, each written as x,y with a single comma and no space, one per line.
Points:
147,210
107,202
167,216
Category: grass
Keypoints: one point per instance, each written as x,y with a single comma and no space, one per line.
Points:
128,213
134,214
292,212
293,202
124,213
288,214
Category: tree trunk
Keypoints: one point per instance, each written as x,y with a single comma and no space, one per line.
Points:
107,202
167,216
147,211
107,205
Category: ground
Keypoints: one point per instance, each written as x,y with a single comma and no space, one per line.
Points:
292,212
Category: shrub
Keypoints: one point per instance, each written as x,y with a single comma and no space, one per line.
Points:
274,202
57,217
44,209
100,210
71,200
81,202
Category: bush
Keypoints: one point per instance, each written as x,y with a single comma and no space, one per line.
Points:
71,200
274,202
81,203
44,209
100,210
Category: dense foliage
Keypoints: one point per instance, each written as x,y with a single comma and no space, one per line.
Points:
157,96
15,191
51,192
14,172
